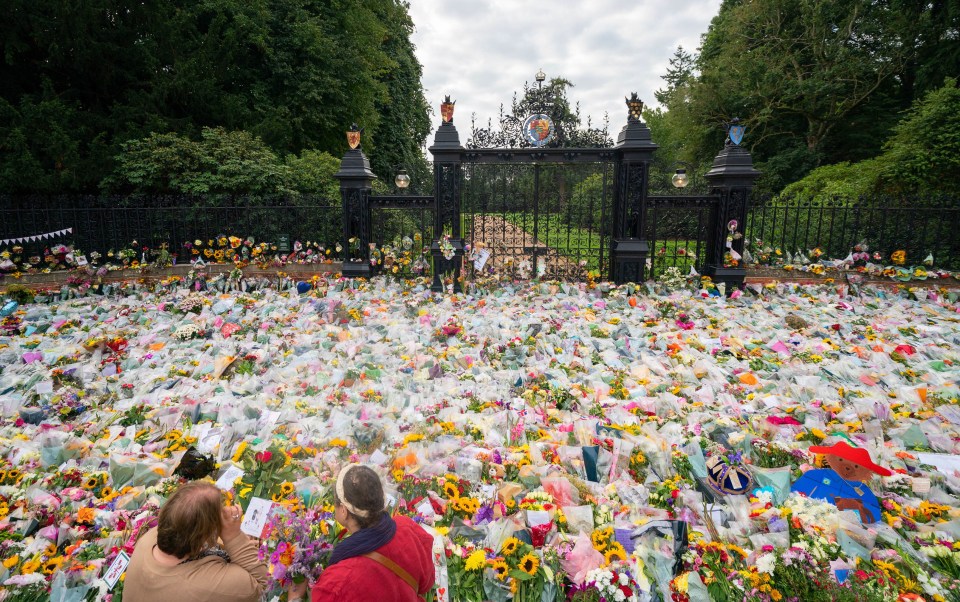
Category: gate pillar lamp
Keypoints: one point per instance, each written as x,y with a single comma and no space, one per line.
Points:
680,179
402,180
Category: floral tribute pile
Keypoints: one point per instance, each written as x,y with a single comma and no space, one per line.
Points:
560,441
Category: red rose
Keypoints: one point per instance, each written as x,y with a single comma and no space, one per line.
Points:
905,350
263,456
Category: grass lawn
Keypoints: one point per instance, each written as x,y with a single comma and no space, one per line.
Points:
582,243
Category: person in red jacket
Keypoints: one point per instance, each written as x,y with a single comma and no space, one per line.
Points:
384,558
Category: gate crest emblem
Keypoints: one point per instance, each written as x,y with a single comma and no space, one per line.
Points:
538,129
735,131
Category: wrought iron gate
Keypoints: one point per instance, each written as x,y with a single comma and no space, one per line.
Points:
549,199
549,219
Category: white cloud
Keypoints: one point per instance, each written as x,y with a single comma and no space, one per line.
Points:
482,51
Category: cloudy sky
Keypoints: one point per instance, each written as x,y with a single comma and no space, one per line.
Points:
481,51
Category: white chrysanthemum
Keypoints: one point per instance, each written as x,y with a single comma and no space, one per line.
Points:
766,563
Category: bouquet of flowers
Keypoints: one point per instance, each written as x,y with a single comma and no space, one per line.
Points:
297,546
610,583
465,567
770,454
267,474
519,568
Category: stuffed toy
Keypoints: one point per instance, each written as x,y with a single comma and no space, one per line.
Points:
843,484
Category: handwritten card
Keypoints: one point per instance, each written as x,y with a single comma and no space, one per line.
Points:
116,570
228,478
481,258
255,519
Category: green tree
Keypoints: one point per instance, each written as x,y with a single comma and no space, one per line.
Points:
312,172
816,81
922,157
680,71
403,110
924,151
82,79
221,162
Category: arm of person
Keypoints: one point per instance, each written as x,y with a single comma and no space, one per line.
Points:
297,592
245,576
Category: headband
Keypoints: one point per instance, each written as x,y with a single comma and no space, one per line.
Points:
343,499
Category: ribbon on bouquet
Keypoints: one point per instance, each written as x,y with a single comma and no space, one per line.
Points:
37,237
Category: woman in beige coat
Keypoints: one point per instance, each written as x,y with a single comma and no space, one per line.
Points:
179,561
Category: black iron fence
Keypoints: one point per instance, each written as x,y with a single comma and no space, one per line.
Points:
104,223
918,225
676,231
675,226
394,218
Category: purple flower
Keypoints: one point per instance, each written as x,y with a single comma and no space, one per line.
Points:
483,515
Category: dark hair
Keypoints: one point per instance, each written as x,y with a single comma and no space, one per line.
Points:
190,520
364,491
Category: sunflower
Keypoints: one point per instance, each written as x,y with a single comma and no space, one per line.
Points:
499,566
53,565
615,552
13,475
286,488
529,564
599,541
106,492
450,491
510,546
475,561
30,567
91,483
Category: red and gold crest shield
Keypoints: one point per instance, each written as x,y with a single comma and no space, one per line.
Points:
353,139
446,110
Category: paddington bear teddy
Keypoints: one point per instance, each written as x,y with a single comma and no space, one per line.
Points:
843,484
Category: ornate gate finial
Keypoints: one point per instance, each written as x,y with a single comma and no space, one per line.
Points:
446,109
634,106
